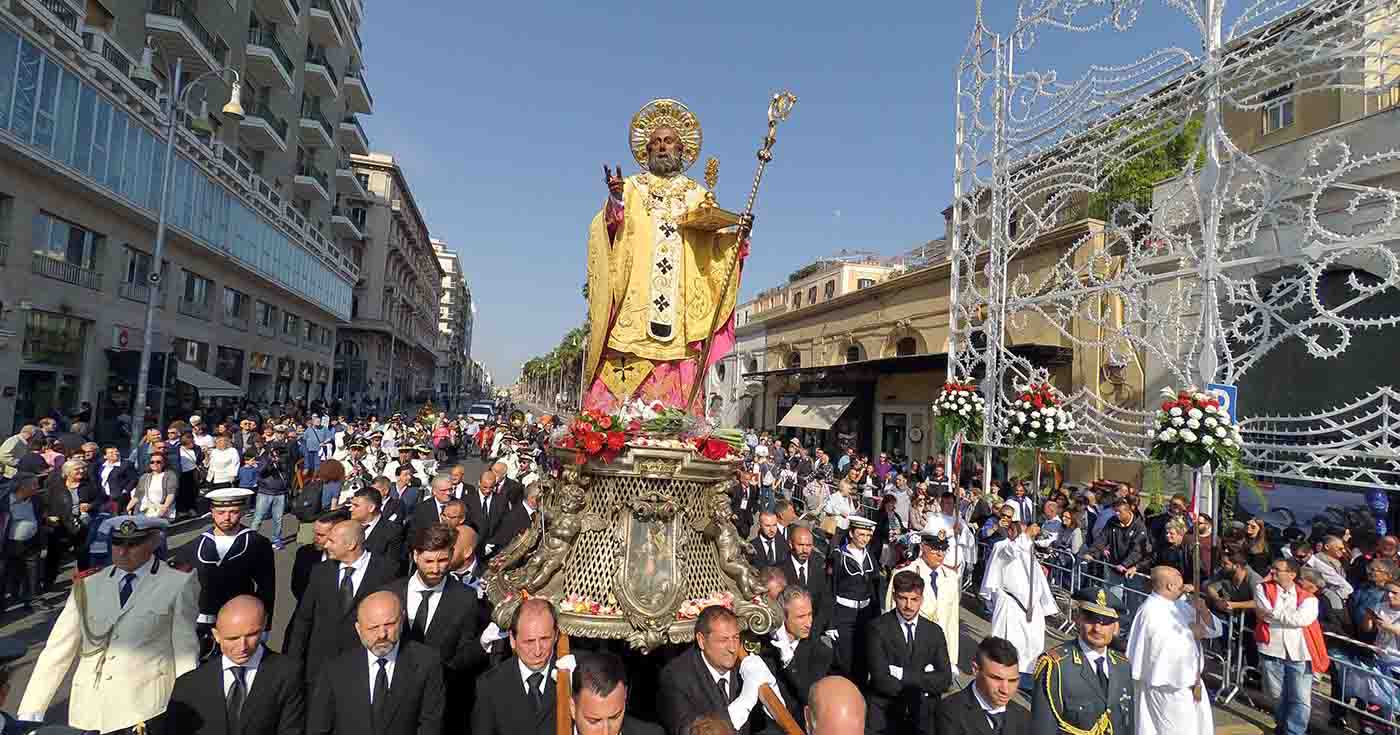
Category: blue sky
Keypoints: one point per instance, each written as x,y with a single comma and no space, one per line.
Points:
502,115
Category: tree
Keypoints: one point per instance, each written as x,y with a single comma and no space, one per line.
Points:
1132,181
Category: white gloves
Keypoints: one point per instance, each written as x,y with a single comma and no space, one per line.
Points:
755,674
492,634
831,635
565,663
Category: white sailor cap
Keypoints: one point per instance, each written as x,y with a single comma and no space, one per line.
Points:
862,522
228,497
132,527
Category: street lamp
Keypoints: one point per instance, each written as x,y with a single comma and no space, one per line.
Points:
174,103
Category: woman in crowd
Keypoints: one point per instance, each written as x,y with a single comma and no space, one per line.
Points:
155,491
187,458
53,453
889,527
840,507
224,461
1256,546
330,475
1071,538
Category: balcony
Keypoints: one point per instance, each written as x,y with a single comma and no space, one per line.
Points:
62,270
194,309
311,183
266,330
267,60
345,226
357,96
262,130
315,129
346,182
279,11
176,28
321,80
236,322
139,292
325,25
55,16
111,55
353,137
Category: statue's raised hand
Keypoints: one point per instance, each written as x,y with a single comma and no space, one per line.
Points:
613,180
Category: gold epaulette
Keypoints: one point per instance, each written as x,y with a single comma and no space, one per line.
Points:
1116,658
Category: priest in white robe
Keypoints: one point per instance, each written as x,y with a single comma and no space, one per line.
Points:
1019,593
962,544
1165,653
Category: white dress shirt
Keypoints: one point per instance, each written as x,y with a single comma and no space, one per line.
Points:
1092,657
1286,620
357,576
525,674
250,670
416,588
107,469
391,657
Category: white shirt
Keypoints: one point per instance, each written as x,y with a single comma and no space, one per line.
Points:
1384,638
525,674
484,500
119,577
250,670
107,469
223,543
416,588
986,708
729,678
155,491
223,464
1286,621
1092,658
1330,575
204,441
369,527
187,459
391,657
359,566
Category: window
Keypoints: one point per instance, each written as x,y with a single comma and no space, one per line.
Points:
853,353
137,266
290,324
906,346
267,314
197,289
326,337
719,371
235,304
54,339
7,213
1278,109
865,283
355,307
794,359
67,242
752,366
812,295
364,181
308,331
797,299
228,365
830,289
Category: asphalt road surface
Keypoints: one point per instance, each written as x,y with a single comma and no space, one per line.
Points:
33,629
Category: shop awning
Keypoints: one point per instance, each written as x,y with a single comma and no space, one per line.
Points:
207,385
816,413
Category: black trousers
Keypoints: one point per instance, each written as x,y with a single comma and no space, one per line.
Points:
186,495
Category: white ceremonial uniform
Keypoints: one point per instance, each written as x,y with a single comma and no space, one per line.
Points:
1014,583
940,608
962,547
1166,662
127,657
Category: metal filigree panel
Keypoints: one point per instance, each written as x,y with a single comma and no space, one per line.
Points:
1200,276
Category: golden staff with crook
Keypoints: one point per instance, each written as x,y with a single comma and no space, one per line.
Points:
778,110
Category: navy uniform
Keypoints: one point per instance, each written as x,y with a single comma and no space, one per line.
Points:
1079,691
855,591
229,566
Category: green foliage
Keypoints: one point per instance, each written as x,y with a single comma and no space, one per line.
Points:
1132,182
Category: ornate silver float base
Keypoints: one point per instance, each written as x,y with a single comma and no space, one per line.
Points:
630,550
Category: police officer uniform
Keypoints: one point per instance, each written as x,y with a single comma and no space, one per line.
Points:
229,566
1079,691
131,634
855,584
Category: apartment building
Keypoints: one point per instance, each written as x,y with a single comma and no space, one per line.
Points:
387,354
454,330
259,263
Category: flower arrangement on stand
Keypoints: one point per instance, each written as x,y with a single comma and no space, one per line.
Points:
1193,430
600,436
1034,419
959,408
595,435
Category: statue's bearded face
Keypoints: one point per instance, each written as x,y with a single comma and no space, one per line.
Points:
664,154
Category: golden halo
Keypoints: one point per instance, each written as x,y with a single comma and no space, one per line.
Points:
666,113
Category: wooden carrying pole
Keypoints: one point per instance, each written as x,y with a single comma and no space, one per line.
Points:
780,713
563,690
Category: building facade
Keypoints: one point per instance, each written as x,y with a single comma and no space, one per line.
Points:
454,325
386,357
259,261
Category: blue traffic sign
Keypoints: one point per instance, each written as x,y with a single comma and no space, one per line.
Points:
1228,395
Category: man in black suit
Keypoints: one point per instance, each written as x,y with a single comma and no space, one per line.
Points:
309,555
512,490
384,686
599,703
443,615
517,695
429,510
908,663
115,476
323,626
709,678
770,549
517,519
249,690
984,707
795,657
806,568
383,538
485,510
744,502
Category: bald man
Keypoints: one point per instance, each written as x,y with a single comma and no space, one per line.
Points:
486,510
248,690
517,695
386,685
323,625
1165,651
835,707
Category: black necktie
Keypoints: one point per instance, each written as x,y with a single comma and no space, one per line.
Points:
996,720
236,694
347,588
723,685
909,634
769,546
802,575
536,695
420,619
381,691
1103,675
127,582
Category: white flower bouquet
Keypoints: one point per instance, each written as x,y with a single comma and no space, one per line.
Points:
1192,429
959,407
1034,419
